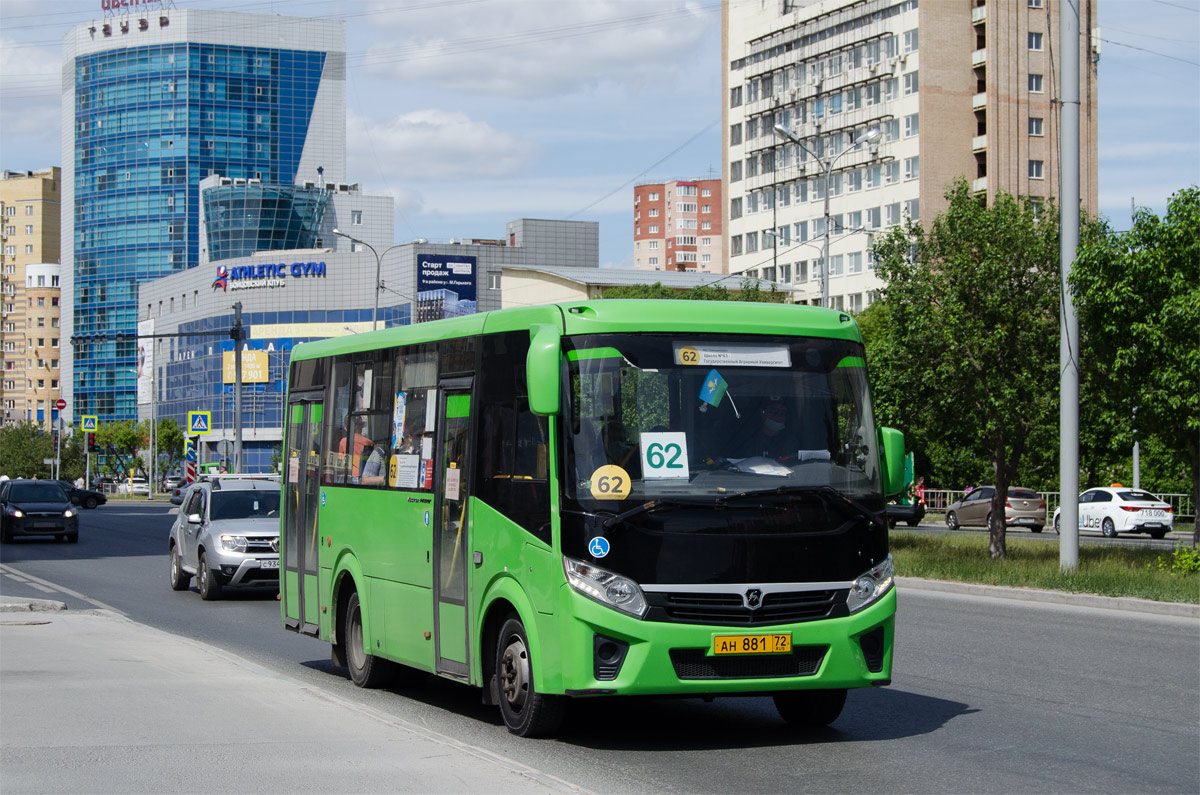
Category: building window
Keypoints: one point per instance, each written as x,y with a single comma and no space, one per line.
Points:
706,192
653,212
735,134
735,96
1035,41
653,229
653,244
1035,126
1035,169
910,40
912,167
1035,84
29,249
913,206
735,245
854,262
652,197
892,172
893,213
735,208
751,242
706,258
1035,3
911,126
910,83
29,229
493,280
28,210
706,241
356,217
835,265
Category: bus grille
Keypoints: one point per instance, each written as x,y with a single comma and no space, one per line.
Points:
727,609
697,664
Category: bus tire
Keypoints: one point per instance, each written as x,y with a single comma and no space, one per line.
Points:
810,709
366,670
526,712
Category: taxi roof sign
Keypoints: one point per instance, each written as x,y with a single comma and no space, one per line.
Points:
199,421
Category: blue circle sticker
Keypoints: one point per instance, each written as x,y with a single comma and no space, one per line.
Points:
598,547
427,518
322,499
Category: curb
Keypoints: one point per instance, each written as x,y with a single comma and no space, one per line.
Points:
1125,603
13,604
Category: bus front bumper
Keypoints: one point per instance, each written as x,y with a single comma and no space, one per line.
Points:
606,652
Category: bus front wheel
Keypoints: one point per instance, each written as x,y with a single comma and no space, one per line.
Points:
810,709
526,712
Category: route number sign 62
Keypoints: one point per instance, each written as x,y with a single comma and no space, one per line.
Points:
664,455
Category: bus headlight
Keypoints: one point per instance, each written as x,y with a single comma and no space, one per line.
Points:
870,585
605,587
233,543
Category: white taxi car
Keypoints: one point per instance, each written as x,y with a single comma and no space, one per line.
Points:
1117,509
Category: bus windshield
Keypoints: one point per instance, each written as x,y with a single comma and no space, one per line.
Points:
702,417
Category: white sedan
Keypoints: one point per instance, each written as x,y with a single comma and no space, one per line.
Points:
1116,509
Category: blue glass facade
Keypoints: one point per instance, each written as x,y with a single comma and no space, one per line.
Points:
150,123
242,219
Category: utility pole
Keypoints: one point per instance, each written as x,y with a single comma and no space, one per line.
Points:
236,332
1068,344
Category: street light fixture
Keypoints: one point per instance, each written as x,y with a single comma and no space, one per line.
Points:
871,138
378,264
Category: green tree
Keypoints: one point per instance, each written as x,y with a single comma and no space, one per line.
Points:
23,447
748,290
169,442
1138,299
973,314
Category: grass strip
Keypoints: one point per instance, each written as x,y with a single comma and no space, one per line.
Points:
1104,570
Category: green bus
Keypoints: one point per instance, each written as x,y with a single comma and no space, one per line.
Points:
597,498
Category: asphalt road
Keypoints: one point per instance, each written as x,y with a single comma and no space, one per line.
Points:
989,695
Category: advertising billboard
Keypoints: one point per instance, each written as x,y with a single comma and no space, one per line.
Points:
445,286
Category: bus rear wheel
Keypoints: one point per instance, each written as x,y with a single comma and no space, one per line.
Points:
366,670
810,709
526,712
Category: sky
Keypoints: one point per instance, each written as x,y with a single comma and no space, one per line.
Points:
472,113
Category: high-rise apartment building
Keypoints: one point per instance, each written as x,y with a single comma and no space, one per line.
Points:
843,117
677,226
153,102
29,296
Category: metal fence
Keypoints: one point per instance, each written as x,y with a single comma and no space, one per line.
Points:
941,499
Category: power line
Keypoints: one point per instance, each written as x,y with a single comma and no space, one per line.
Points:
1152,52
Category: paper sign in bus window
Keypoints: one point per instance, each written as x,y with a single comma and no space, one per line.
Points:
664,455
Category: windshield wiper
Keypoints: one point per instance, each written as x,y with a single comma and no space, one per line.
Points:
650,507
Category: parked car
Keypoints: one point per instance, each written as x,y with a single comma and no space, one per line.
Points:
226,534
36,508
177,493
133,487
172,482
1116,509
86,497
910,513
1023,508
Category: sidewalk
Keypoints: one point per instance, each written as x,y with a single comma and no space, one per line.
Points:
94,702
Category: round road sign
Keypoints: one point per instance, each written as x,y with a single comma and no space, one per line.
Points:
60,404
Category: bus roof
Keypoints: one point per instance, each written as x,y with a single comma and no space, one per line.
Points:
602,316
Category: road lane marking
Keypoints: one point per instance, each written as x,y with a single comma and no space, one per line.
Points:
50,587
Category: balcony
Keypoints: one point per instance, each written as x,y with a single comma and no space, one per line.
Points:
979,143
979,57
979,101
978,14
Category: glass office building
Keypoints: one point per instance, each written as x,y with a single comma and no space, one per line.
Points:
153,103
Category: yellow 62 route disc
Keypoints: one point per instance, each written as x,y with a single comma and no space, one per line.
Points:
610,482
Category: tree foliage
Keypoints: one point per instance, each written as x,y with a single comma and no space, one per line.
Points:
748,290
971,357
1137,295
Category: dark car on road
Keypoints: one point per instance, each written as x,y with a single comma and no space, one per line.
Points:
36,508
86,497
911,513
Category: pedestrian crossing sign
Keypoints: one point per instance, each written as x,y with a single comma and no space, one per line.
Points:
199,421
89,423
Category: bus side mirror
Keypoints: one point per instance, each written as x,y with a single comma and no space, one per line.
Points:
891,453
542,370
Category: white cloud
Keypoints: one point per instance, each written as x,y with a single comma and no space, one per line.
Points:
535,48
433,144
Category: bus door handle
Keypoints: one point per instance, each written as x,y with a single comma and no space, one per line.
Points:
477,558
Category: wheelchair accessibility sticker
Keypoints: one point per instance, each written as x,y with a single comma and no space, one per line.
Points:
598,547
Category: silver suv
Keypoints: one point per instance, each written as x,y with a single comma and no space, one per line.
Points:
226,533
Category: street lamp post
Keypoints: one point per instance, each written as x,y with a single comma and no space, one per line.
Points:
870,137
378,265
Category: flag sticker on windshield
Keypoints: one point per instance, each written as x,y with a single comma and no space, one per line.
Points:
708,355
714,388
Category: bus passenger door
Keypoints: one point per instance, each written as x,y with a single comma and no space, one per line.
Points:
302,480
451,488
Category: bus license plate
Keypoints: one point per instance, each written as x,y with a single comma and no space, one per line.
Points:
776,643
269,564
